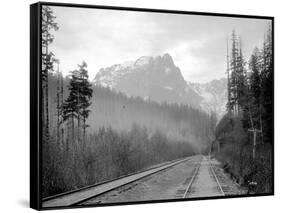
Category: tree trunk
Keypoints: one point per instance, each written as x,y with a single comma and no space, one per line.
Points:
43,108
261,126
46,89
72,125
47,107
58,108
78,115
61,109
84,130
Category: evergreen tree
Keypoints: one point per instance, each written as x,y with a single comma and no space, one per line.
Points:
267,87
77,104
252,94
86,92
70,106
237,81
59,103
58,100
48,23
234,75
255,88
228,106
61,107
241,80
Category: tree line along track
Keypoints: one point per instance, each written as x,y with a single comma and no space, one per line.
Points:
77,197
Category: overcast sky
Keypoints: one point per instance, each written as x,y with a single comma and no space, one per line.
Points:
106,37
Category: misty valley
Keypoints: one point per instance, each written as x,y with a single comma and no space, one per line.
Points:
124,135
137,114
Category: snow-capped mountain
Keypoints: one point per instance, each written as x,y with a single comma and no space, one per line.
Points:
214,95
159,79
155,78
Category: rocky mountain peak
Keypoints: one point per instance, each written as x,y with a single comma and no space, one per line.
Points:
144,60
168,59
159,79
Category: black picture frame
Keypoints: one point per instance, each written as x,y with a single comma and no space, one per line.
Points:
36,100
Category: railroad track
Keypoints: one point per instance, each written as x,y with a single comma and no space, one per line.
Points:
218,181
203,182
79,196
229,188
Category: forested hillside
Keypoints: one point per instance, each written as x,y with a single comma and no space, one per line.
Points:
110,108
124,135
244,136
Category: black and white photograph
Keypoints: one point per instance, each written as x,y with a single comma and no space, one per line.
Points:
149,106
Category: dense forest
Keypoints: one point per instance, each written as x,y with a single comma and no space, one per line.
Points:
92,134
111,108
244,136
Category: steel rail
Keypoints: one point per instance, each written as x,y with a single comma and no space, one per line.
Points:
217,180
192,180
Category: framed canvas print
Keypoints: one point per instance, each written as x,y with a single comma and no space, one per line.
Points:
134,105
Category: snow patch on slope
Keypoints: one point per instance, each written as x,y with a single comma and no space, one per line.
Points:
144,60
214,95
168,88
167,70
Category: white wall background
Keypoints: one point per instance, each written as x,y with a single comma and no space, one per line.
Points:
14,106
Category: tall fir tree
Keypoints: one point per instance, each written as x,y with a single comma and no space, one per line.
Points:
228,105
70,105
236,87
267,86
48,23
86,92
255,88
241,79
79,99
58,101
61,107
233,73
